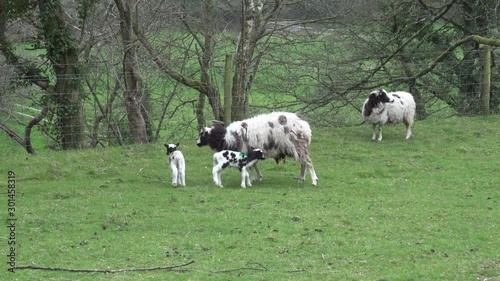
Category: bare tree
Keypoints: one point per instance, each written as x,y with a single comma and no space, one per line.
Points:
131,73
63,98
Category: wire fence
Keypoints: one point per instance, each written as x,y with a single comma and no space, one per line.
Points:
170,110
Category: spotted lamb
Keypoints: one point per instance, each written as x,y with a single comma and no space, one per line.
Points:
236,159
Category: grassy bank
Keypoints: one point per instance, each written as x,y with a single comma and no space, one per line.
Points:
423,209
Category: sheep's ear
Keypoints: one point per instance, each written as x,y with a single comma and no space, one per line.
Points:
166,145
177,144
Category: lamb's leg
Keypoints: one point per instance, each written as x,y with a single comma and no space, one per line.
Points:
243,177
182,177
182,173
216,171
219,178
174,174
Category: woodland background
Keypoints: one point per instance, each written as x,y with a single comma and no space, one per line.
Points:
86,73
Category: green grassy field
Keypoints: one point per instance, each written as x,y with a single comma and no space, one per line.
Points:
423,209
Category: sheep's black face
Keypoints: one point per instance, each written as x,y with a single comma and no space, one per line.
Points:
382,96
203,138
171,147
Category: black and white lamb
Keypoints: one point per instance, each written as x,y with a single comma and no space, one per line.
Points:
240,160
177,164
278,134
382,108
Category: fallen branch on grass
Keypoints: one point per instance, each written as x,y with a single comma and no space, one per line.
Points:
260,268
102,270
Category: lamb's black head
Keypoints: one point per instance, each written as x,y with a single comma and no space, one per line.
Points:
171,147
379,96
257,154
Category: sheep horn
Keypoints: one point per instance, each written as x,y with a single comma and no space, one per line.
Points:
217,122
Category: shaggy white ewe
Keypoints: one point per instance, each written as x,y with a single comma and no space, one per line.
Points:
382,108
278,134
177,164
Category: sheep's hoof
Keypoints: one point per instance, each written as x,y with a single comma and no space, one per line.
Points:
243,186
299,179
174,184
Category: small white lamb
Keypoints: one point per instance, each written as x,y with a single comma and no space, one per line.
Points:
236,159
177,164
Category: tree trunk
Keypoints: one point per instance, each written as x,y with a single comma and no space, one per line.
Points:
227,89
29,127
131,73
11,133
62,51
206,59
475,19
485,86
252,29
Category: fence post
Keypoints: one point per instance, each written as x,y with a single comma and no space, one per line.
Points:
485,85
227,89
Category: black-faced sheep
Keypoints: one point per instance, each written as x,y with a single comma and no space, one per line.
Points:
240,160
177,164
382,108
278,134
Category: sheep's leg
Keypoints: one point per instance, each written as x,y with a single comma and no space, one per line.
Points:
374,131
308,164
249,181
314,177
408,129
174,174
380,132
303,167
256,169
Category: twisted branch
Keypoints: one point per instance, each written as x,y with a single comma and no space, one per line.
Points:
102,270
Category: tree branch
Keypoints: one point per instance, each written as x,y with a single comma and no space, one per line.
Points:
102,270
168,69
446,8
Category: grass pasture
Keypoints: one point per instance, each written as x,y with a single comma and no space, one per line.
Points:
423,209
